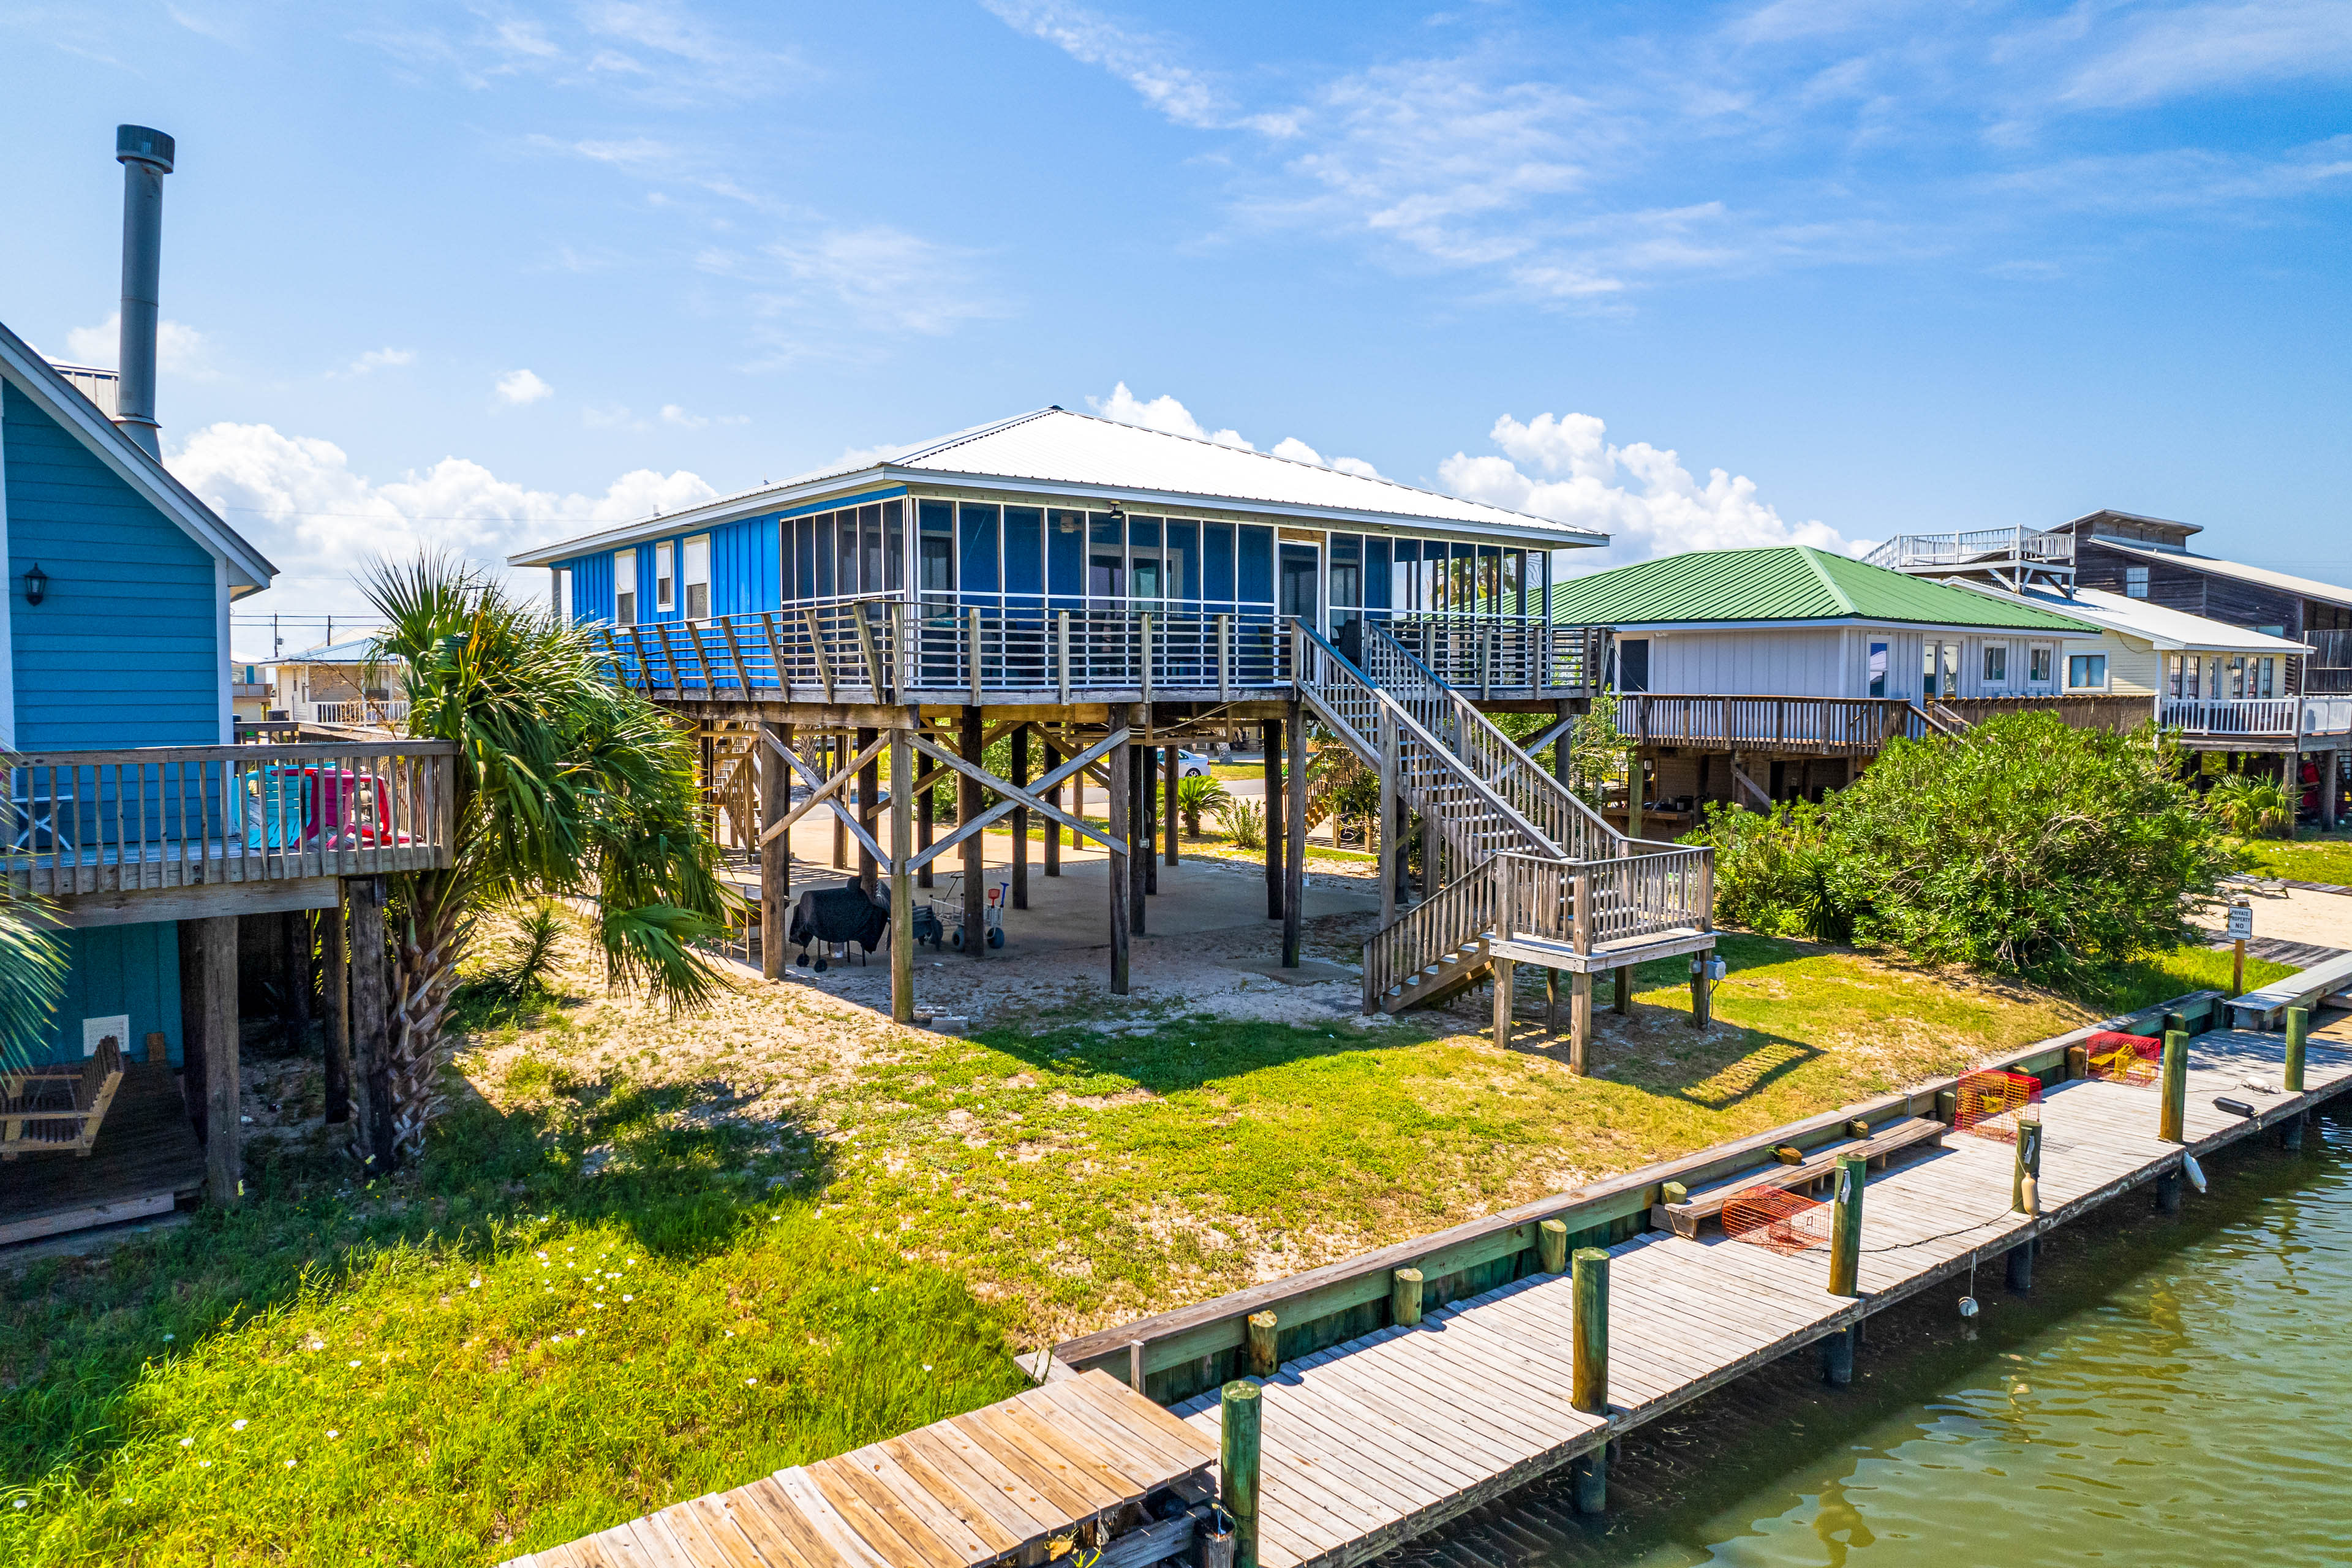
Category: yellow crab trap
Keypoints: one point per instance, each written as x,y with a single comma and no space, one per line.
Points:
1989,1100
2119,1058
1777,1218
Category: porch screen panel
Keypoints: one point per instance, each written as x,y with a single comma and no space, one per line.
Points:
869,534
1065,559
1404,575
1025,593
1347,579
1143,572
1183,559
1490,579
1217,561
804,558
824,589
844,535
1255,635
1106,556
935,581
894,546
1379,573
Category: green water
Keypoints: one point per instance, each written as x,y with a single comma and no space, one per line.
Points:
2175,1391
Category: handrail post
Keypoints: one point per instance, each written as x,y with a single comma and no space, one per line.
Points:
1062,651
1224,659
971,652
1144,661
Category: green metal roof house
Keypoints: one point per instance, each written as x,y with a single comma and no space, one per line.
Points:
1793,621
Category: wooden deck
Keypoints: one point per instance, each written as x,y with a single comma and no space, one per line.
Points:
999,1483
1374,1440
146,1158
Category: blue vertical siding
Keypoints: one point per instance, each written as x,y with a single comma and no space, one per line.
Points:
592,586
124,649
126,969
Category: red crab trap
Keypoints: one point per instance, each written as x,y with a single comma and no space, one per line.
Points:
1777,1218
2118,1058
1991,1101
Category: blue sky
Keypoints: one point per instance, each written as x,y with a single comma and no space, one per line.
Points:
478,276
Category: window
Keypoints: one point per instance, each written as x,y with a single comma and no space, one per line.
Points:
1878,669
625,587
1951,669
2087,672
2037,661
2135,582
665,577
1633,665
562,604
697,578
2264,674
1996,664
2181,672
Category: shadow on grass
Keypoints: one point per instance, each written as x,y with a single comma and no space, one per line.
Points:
669,1165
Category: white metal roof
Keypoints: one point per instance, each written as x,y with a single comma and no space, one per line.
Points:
1053,451
2167,629
2284,582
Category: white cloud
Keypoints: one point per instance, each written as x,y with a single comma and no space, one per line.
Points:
1564,467
380,359
299,500
1166,415
2205,49
523,386
880,276
179,348
657,51
1145,63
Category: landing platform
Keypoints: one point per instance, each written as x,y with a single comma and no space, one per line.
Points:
1378,1438
1605,955
145,1158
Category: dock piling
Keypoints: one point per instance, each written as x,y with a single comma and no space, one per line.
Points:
1265,1359
1837,1357
2175,1078
1237,1467
2020,1269
2168,1193
1589,1363
1404,1298
1551,1246
2028,1165
1588,1480
1845,1227
2299,1033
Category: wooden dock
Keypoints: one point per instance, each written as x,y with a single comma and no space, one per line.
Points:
1373,1440
1373,1429
1001,1483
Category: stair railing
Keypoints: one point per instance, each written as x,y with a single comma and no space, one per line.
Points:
1447,921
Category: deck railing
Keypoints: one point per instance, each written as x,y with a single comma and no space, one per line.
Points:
372,711
878,646
1586,904
2253,717
1976,547
1832,725
170,817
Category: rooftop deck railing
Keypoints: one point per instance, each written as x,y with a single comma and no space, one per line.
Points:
170,817
969,648
1976,547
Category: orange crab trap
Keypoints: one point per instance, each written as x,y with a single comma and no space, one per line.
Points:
1776,1218
2124,1058
1989,1101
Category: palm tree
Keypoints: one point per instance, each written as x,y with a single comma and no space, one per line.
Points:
32,976
1196,793
566,785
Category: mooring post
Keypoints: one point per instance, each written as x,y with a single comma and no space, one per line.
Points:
2028,1167
1264,1358
902,880
1404,1298
1588,1370
2298,1032
2175,1103
1237,1450
1845,1227
1551,1246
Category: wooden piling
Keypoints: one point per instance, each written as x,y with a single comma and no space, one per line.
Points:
775,777
1116,868
902,881
1404,1296
1589,1480
1392,858
1171,768
2298,1033
1264,1358
1272,768
1702,994
1620,989
1138,837
1237,1466
1551,1246
224,1162
973,849
2028,1162
2175,1082
336,951
1845,1227
869,795
1589,1359
1054,799
1837,1357
1147,780
2168,1193
371,1038
1020,775
1293,842
2018,1266
1579,1022
1504,979
1552,1002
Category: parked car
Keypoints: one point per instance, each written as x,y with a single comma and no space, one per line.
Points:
1191,765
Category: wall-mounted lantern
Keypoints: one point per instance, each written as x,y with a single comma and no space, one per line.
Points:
37,584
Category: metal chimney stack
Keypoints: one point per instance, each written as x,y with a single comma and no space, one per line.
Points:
146,157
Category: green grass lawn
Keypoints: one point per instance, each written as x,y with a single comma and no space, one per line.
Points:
2310,858
711,1247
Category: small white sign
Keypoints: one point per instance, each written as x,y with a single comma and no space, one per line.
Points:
2242,922
96,1029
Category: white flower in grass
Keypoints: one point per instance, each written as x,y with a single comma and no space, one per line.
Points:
169,1338
355,1363
289,1464
204,1464
927,1366
473,1284
20,1502
187,1442
332,1433
626,1299
751,1382
238,1425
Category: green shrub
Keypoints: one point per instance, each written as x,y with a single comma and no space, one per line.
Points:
2023,846
2251,807
1245,823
